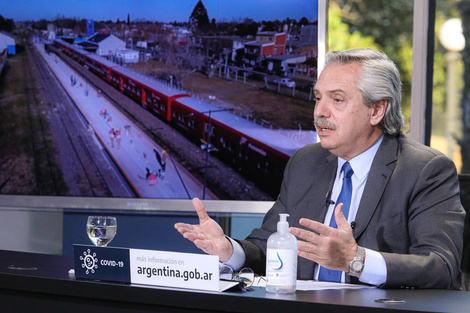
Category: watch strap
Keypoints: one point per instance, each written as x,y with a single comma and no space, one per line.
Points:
360,259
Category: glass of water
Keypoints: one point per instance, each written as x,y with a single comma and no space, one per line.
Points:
101,229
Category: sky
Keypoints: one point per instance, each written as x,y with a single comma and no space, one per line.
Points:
158,10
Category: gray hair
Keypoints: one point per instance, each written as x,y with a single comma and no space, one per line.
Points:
379,80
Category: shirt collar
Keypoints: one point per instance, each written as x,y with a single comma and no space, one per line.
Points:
361,163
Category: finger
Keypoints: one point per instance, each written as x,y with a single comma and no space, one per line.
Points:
317,227
192,233
341,220
187,228
180,225
200,210
192,236
307,255
307,250
183,227
306,247
303,234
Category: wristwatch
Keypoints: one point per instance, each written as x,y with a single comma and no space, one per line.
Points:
357,264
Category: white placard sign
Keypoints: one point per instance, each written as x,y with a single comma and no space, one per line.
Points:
174,269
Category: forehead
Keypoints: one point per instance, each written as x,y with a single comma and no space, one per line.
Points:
339,76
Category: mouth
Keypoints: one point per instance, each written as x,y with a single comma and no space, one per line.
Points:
324,128
322,124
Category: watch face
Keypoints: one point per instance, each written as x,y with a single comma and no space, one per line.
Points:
357,266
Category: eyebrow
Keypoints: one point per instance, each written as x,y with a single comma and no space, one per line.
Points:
331,91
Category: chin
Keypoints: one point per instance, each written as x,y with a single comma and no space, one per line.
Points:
324,144
329,146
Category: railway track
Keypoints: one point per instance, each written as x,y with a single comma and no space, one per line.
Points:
64,149
46,174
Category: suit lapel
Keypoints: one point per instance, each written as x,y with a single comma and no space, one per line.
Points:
327,172
380,172
317,208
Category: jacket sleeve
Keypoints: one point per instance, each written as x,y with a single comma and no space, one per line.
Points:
435,225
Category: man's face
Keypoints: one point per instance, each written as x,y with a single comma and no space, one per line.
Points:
345,125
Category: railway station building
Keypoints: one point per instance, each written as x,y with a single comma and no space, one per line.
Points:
106,44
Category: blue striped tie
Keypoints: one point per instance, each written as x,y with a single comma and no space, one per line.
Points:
344,198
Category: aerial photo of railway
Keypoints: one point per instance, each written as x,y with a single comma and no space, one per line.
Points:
199,104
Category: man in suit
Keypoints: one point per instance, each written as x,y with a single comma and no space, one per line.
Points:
402,225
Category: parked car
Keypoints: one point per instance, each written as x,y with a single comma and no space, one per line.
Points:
286,82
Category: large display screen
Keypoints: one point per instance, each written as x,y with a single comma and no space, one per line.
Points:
127,101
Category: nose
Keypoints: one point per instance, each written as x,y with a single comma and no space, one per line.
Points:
320,109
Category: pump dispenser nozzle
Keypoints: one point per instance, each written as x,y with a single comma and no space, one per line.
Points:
283,225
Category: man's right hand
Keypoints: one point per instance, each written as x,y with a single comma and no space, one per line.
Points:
208,235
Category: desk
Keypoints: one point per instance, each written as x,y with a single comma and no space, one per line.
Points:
41,283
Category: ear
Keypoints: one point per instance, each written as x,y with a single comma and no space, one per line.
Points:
378,112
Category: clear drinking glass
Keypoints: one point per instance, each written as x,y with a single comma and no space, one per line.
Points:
101,229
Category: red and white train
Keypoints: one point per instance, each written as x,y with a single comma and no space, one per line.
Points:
258,153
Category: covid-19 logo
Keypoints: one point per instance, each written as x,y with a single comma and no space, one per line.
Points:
90,261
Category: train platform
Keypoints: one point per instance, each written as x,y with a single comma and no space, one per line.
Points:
146,166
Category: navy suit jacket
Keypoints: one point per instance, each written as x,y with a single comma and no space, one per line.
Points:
410,212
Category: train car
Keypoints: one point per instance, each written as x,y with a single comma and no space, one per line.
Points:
99,67
255,151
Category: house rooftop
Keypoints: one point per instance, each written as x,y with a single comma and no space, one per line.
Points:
98,37
269,33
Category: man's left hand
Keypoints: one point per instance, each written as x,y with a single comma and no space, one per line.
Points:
332,248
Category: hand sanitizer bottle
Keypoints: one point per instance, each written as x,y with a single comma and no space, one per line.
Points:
281,259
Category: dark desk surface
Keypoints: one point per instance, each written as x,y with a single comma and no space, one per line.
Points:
40,283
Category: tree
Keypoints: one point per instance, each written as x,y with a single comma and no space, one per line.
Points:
199,20
248,28
340,35
303,21
445,10
386,21
7,24
390,25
